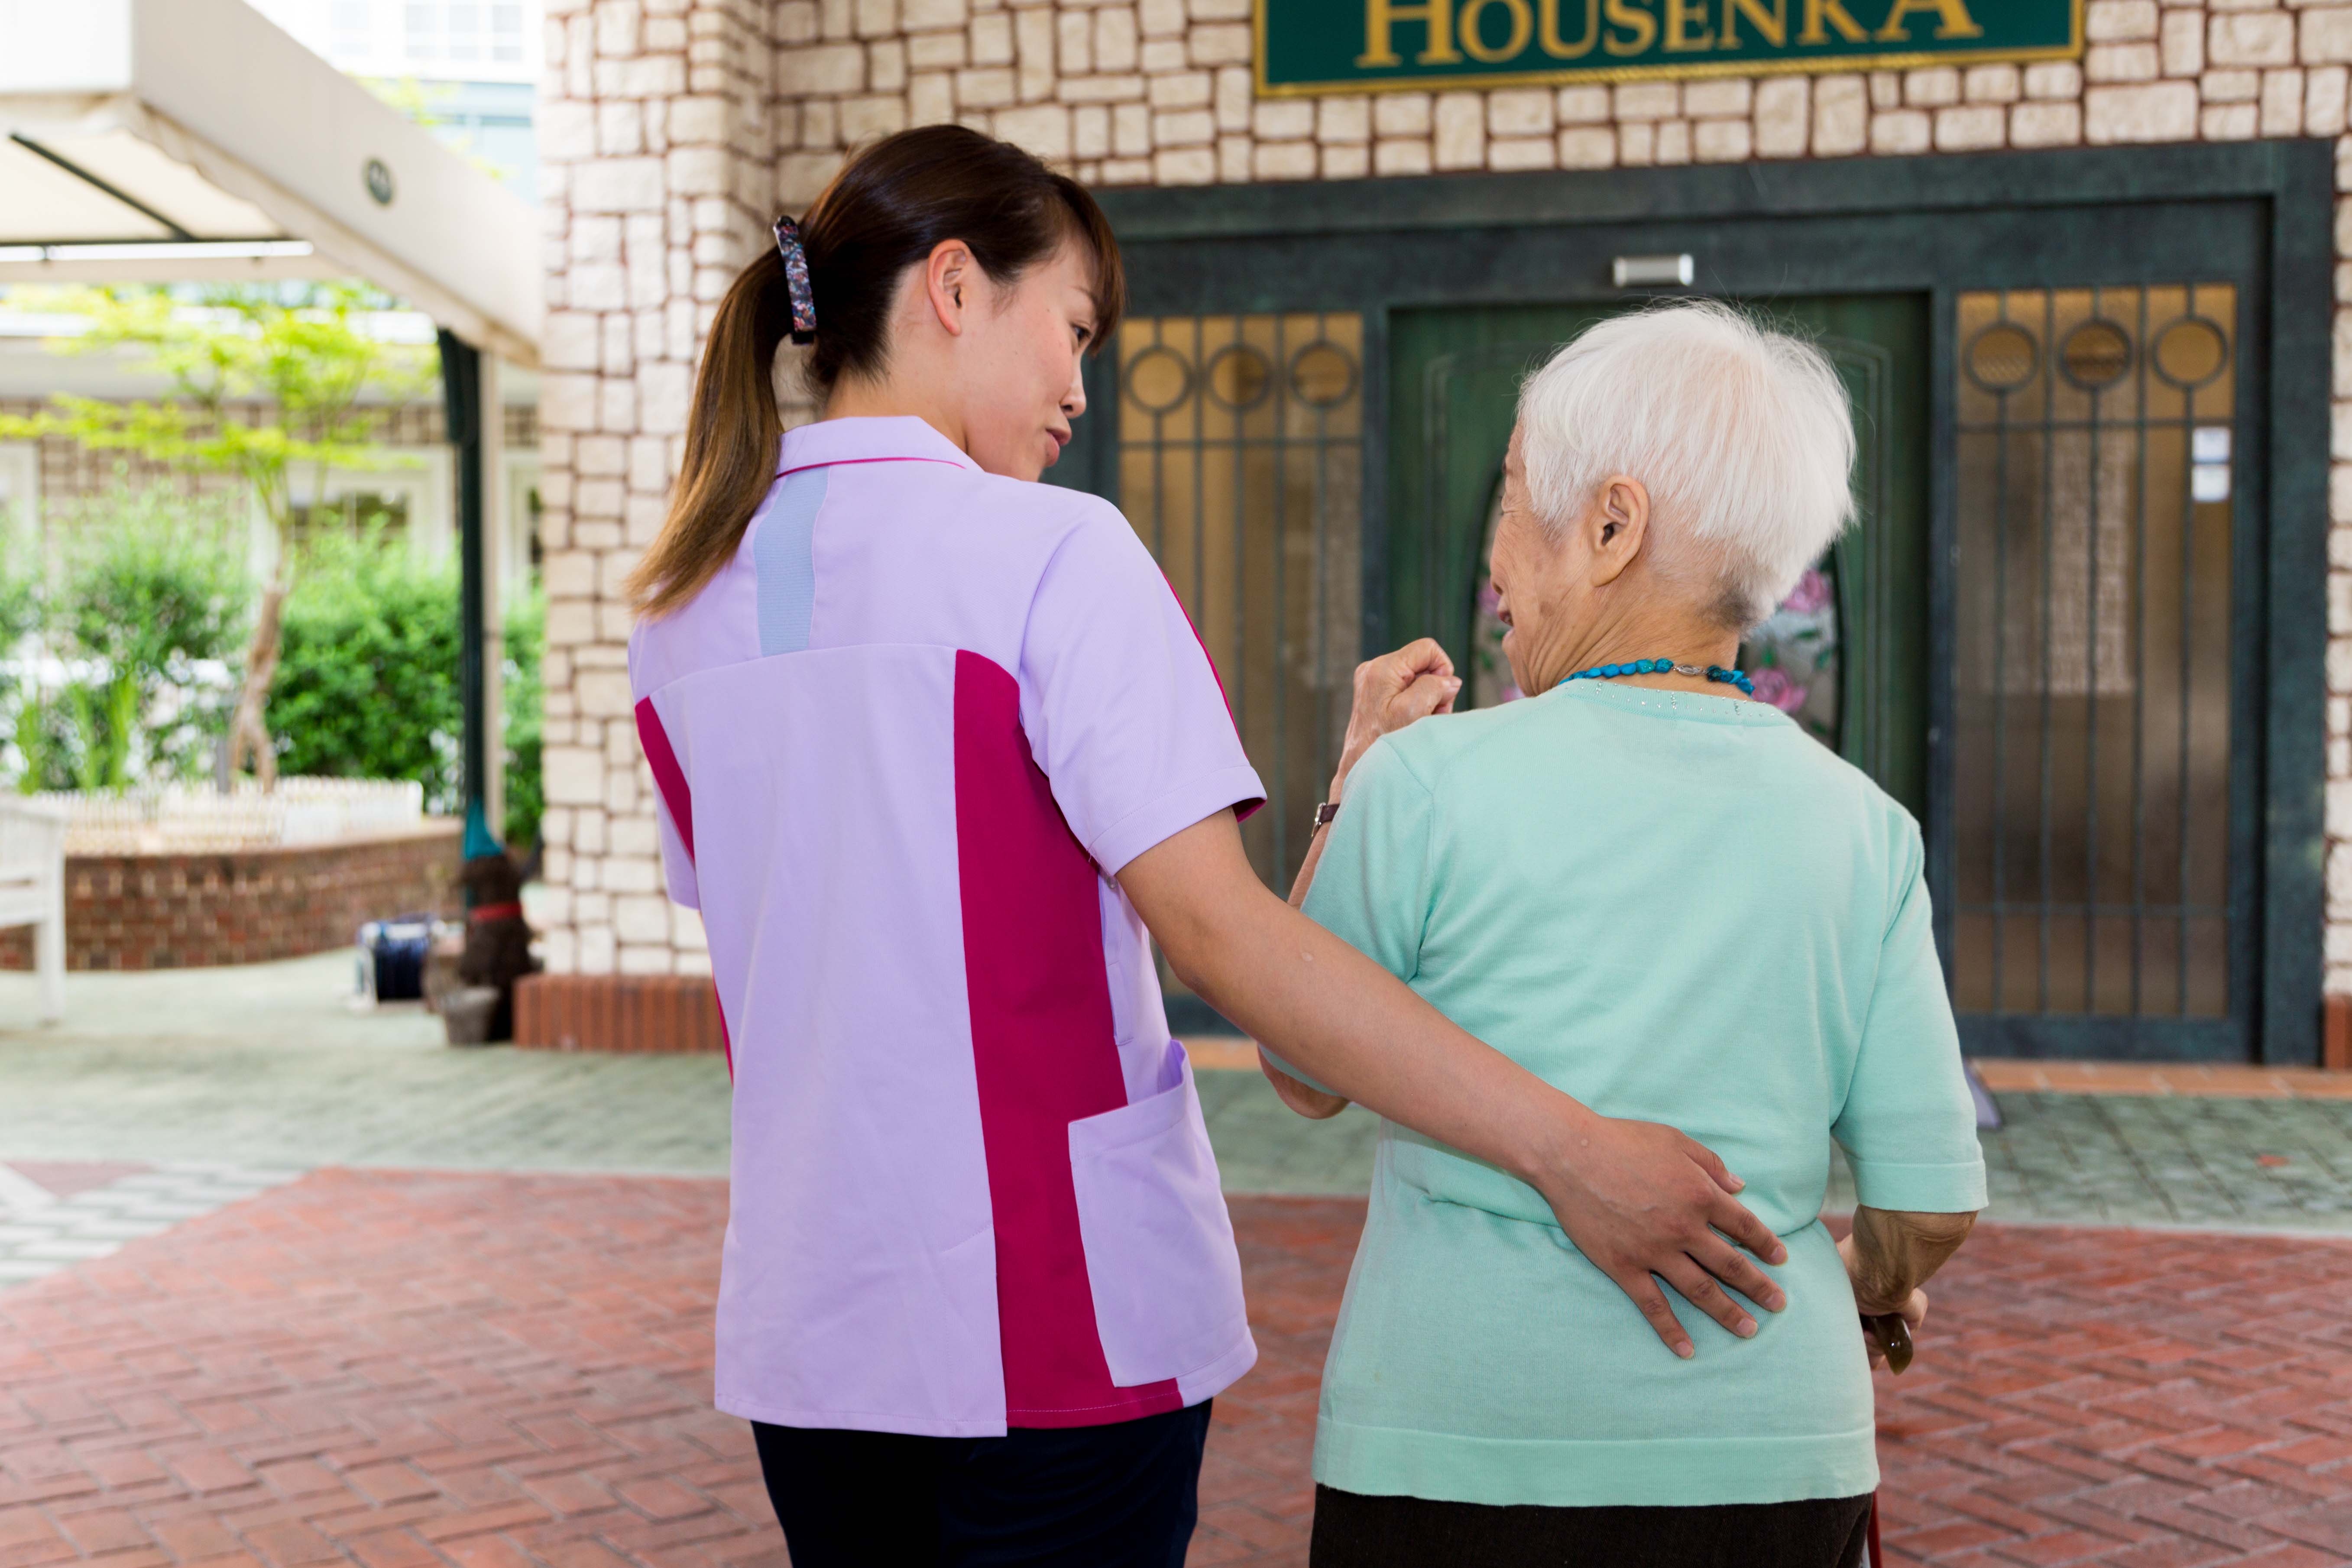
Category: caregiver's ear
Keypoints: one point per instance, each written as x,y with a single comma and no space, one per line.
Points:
1621,523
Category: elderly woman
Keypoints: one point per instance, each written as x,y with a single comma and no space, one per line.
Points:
1664,898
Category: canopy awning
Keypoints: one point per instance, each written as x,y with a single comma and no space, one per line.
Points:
172,141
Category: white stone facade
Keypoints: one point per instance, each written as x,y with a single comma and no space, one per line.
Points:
672,130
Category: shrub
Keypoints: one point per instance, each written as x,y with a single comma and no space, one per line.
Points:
367,677
367,684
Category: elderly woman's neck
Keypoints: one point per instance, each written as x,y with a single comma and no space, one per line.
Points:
1646,630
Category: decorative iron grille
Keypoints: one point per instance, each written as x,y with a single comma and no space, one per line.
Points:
1241,466
2092,655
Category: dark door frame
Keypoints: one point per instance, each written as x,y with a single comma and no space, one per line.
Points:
2243,211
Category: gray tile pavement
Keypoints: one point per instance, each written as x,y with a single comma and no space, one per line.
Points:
266,1068
266,1065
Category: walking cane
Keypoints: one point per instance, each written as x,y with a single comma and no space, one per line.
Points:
1893,1337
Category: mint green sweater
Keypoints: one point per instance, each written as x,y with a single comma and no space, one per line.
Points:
1677,907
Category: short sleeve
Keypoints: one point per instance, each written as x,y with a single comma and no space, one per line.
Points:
1908,1125
1122,708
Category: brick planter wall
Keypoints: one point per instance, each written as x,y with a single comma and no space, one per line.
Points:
667,1012
242,906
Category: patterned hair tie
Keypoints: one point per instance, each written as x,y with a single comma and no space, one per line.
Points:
796,279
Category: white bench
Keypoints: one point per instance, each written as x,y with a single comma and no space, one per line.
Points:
32,891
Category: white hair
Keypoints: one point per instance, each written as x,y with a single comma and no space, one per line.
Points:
1741,436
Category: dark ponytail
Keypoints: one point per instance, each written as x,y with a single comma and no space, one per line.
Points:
886,211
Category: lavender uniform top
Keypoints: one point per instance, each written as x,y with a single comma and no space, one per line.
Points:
903,742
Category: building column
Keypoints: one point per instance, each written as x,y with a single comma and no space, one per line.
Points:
657,169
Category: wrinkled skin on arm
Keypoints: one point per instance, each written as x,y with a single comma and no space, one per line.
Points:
1390,692
1890,1254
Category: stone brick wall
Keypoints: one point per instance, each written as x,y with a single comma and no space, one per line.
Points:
193,911
674,128
657,131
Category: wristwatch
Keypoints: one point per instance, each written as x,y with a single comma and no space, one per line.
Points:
1326,812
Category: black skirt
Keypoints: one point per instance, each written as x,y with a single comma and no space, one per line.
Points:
1352,1530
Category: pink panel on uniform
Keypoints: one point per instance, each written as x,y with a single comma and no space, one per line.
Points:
1044,1052
668,777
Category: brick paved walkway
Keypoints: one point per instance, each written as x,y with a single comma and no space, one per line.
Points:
452,1371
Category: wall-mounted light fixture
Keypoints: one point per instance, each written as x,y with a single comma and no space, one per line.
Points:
1652,272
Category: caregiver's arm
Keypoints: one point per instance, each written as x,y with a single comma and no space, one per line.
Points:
1637,1198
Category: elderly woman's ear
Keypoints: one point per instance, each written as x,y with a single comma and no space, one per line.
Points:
1619,524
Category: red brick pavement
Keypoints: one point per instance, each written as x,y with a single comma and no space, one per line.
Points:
399,1371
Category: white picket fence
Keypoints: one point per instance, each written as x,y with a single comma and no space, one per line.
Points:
177,818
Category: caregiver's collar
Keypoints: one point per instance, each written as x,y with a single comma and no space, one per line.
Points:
868,440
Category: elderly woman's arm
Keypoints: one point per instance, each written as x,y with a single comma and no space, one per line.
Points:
1892,1252
1908,1123
1392,691
1888,1256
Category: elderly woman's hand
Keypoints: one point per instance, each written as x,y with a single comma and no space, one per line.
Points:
1887,1256
1393,691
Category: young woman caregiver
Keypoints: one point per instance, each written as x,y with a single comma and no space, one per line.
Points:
935,747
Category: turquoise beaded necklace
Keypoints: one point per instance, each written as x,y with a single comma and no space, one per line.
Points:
1663,667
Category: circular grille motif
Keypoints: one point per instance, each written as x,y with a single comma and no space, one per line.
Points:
2003,357
1158,379
2095,354
2191,352
1322,375
1240,377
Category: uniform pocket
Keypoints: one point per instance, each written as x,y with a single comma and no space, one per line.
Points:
1166,1278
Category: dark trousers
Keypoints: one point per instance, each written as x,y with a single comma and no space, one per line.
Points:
1356,1531
1122,1496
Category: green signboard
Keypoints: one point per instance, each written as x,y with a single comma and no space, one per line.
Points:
1358,45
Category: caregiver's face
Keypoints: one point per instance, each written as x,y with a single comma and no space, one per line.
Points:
1529,582
1025,364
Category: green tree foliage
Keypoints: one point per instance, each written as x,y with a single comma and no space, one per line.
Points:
301,354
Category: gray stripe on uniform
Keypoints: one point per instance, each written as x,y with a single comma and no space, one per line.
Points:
785,557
